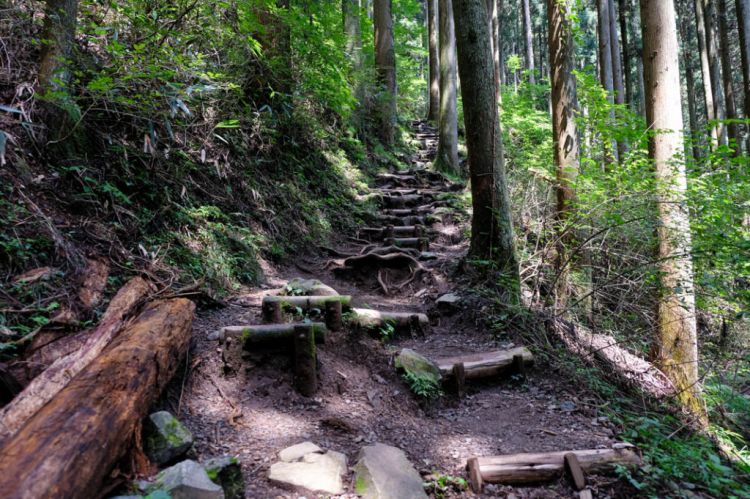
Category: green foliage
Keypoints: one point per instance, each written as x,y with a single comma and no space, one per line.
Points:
441,485
422,386
387,332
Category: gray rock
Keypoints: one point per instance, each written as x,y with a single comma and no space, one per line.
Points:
309,287
227,472
296,452
187,480
315,473
165,438
384,472
449,301
417,365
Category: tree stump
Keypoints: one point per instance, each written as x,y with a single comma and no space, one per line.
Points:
305,360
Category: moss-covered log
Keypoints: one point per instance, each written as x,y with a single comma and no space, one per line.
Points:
402,322
269,334
485,364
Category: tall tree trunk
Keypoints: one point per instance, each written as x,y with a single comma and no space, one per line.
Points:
638,52
500,57
617,79
564,130
59,31
529,40
447,153
676,342
727,70
606,72
627,53
708,92
714,64
492,12
689,84
491,225
385,64
433,112
352,29
743,22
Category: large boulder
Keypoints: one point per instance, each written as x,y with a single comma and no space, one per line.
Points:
165,438
306,468
384,472
418,366
187,480
227,472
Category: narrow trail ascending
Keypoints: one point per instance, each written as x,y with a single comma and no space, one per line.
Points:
244,403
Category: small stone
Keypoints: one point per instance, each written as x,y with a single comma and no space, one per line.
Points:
187,480
227,472
567,406
165,438
384,472
448,302
315,473
296,452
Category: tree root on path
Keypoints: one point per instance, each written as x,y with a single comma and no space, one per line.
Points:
375,263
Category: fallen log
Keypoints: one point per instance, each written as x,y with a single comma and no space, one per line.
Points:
45,386
94,282
69,447
266,334
365,319
521,469
485,364
604,349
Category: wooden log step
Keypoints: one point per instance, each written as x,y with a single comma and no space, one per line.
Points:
393,231
397,178
523,469
399,191
407,220
402,201
407,212
485,364
70,446
402,322
420,243
269,334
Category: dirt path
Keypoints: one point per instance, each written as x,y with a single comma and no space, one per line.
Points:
244,404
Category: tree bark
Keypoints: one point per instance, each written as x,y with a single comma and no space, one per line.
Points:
617,79
564,130
500,63
491,225
690,86
627,53
743,22
483,365
69,447
638,51
714,64
385,63
447,152
59,33
726,71
676,341
433,112
44,387
353,31
529,41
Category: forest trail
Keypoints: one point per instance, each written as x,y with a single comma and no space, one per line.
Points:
244,403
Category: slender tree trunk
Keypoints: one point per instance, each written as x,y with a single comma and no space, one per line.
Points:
385,63
432,28
564,130
500,58
743,22
676,342
689,85
606,72
447,153
495,37
529,40
352,29
727,71
491,225
714,64
617,78
59,31
708,92
638,52
627,53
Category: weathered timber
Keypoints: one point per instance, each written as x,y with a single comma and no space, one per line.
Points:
606,350
406,180
402,201
420,243
408,220
368,320
406,212
272,312
485,364
269,334
333,315
69,447
458,373
574,471
305,360
398,191
303,302
53,379
521,469
393,231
